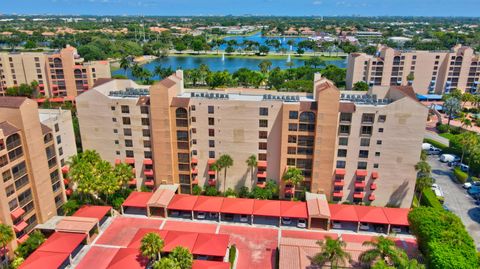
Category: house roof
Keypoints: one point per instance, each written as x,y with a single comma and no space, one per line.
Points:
160,198
177,238
128,258
137,238
267,208
318,208
62,242
182,202
7,128
45,259
208,204
202,264
73,224
239,206
371,214
291,209
340,212
45,128
211,244
138,199
397,216
11,101
93,211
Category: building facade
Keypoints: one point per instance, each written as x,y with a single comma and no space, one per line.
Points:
324,134
58,74
428,72
32,188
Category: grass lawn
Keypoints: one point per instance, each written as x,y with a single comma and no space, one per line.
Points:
266,57
448,136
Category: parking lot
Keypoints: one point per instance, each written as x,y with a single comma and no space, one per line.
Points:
456,198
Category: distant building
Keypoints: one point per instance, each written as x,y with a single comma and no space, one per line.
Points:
434,72
59,74
350,146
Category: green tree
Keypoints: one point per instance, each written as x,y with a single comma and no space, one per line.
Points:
125,63
217,79
276,78
370,50
225,162
315,62
166,263
123,173
293,175
163,72
35,239
264,66
252,164
335,74
151,246
6,235
182,257
263,50
229,50
468,142
421,184
70,207
196,190
211,191
193,76
332,251
383,249
451,106
360,86
423,168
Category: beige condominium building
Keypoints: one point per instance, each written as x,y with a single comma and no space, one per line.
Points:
32,188
59,74
433,72
349,146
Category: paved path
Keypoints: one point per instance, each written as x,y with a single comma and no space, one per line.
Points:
457,199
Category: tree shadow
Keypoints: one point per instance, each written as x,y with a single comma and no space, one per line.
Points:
474,214
398,195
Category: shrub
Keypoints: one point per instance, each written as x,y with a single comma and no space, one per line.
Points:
230,193
435,143
196,190
232,253
460,175
443,128
430,199
442,239
211,191
243,192
30,245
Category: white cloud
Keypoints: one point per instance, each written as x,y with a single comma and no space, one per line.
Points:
317,2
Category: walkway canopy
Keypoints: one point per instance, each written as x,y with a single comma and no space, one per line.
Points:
177,238
137,238
201,264
160,199
183,202
128,258
340,212
137,199
397,216
208,204
76,225
45,259
211,245
290,209
93,211
62,242
318,210
238,206
266,208
371,214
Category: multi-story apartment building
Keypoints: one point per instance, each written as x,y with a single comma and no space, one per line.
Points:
32,189
433,72
61,124
61,73
347,144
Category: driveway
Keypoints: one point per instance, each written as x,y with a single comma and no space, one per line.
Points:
456,198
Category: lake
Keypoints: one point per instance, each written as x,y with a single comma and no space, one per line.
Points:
217,64
257,37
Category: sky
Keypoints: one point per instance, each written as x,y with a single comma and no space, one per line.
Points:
244,7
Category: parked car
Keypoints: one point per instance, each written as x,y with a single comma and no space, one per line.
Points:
364,226
187,214
213,215
447,158
228,217
174,213
243,218
396,229
336,225
302,223
201,215
434,151
426,146
438,192
467,185
464,167
286,221
474,190
435,186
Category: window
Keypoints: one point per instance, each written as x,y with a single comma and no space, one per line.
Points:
291,150
114,119
192,108
363,154
128,143
293,115
59,139
194,130
308,117
3,160
115,131
262,145
127,131
262,134
211,110
341,164
129,153
292,139
117,152
194,141
117,142
366,130
262,156
362,165
211,121
263,123
375,165
344,129
292,127
211,143
263,111
345,117
145,121
194,119
342,153
56,127
211,132
306,141
147,154
146,144
291,161
211,154
9,190
194,152
144,110
182,135
125,109
368,118
382,118
380,130
112,108
379,142
126,120
343,141
6,175
13,204
377,154
146,133
365,142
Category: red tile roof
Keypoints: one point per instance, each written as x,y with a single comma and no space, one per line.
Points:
182,202
177,238
62,242
8,129
44,259
267,208
208,204
138,199
340,212
93,211
201,264
137,238
211,245
11,102
128,258
371,214
237,206
397,216
292,209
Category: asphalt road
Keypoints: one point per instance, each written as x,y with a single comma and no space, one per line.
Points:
457,199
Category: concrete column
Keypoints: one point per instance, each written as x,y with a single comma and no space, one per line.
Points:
251,220
358,227
388,229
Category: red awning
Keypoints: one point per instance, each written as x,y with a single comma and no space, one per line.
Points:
138,199
291,209
93,211
62,242
361,173
212,182
211,173
149,183
22,239
261,184
136,242
184,202
338,183
66,181
338,194
341,212
269,208
118,161
360,184
148,172
374,175
147,161
20,226
340,172
68,192
358,195
397,216
371,214
40,100
178,238
289,190
128,258
371,197
373,186
262,164
238,206
133,181
194,160
203,264
262,174
195,170
65,169
195,181
208,204
130,160
211,245
17,213
56,100
44,259
211,161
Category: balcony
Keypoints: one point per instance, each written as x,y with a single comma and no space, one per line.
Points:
338,194
211,173
212,182
374,175
149,183
262,174
371,197
261,184
361,173
65,169
360,184
22,239
148,172
373,186
358,195
194,171
195,181
194,160
132,182
289,190
262,164
20,226
147,162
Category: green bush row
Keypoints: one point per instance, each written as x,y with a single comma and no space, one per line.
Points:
430,199
232,253
460,175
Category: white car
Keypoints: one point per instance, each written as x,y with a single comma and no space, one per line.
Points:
434,151
364,226
201,215
243,218
448,158
435,186
302,223
336,225
286,221
467,185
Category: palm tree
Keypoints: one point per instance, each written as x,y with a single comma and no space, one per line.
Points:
151,246
6,235
421,184
182,257
332,251
383,249
293,176
265,66
252,163
163,72
125,63
225,161
166,263
215,167
423,168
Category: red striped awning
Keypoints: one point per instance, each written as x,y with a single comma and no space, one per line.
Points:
262,174
211,173
20,226
358,195
212,182
149,183
211,161
148,172
147,161
17,213
374,175
373,186
133,181
130,160
261,184
361,173
194,170
65,169
338,194
371,197
338,183
118,161
23,239
360,184
194,160
68,192
262,164
340,172
195,181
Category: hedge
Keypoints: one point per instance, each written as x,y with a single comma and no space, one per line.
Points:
435,143
443,239
232,253
430,199
460,175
